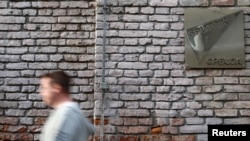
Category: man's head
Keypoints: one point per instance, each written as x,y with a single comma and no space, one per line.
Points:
54,86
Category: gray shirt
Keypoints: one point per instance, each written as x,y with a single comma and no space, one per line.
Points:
67,123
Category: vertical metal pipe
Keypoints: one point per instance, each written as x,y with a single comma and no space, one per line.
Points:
103,84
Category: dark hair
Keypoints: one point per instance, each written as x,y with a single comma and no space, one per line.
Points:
60,78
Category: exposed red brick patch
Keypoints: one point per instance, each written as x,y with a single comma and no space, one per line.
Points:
155,138
156,130
129,138
24,137
5,128
5,136
40,120
116,138
34,129
8,120
16,137
22,129
183,138
98,121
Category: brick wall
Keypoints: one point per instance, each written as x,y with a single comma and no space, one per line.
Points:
150,95
35,37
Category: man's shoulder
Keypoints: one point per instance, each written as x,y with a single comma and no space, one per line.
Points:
69,108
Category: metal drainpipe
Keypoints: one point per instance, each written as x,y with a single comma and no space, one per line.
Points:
103,83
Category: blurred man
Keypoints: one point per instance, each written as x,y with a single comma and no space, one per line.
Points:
66,122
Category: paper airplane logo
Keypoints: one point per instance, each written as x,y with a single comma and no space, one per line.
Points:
204,36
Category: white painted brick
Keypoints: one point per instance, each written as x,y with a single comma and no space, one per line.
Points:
20,4
163,2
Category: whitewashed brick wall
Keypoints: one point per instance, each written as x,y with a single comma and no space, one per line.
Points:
38,36
150,95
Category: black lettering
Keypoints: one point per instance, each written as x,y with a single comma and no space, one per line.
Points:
223,61
214,25
209,61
